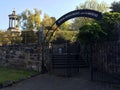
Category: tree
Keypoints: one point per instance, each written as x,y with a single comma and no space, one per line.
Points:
94,5
89,4
65,26
107,29
30,20
50,27
115,7
63,36
5,38
47,21
110,24
90,33
1,37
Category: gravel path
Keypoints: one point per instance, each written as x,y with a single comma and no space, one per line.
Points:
51,82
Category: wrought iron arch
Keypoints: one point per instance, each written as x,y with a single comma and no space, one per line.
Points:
76,13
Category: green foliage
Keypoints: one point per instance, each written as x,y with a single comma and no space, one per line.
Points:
115,6
111,18
1,37
90,33
30,20
8,74
5,38
65,26
107,29
110,24
89,4
94,5
63,36
48,21
79,22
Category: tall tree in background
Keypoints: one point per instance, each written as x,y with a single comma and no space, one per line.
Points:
94,5
47,21
65,25
89,4
115,6
30,20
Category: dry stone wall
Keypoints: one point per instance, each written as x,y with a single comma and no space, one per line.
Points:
23,57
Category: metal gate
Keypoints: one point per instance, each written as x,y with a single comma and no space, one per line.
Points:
66,59
105,62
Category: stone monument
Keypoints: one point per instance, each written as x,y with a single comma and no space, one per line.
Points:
14,24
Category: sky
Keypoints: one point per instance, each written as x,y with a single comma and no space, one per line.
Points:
54,8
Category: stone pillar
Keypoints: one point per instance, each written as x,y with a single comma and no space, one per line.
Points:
15,22
9,22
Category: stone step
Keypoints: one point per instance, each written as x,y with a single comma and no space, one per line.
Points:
64,61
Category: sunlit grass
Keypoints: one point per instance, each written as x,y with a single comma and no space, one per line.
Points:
9,74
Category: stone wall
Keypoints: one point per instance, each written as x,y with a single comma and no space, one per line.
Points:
22,56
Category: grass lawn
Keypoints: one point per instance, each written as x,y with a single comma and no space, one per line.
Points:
9,74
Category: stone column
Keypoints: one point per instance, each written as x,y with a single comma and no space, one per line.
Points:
15,22
9,22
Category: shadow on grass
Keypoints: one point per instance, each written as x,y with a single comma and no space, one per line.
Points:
9,76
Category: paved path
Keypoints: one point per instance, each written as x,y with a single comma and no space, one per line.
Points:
51,82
